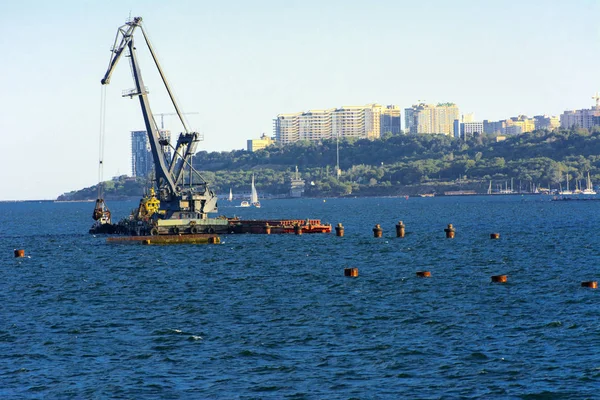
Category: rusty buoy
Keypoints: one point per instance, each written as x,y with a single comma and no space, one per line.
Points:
298,229
449,231
352,272
499,278
590,284
377,231
494,236
267,229
19,253
400,229
339,230
424,274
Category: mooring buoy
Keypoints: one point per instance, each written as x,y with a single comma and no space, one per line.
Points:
400,229
339,230
449,231
377,231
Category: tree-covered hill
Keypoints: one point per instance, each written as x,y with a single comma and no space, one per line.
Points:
396,165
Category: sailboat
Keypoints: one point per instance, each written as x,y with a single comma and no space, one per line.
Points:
589,189
254,195
230,195
566,191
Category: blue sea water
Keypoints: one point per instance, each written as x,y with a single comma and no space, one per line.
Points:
273,317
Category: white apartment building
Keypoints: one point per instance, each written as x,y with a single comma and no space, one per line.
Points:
470,129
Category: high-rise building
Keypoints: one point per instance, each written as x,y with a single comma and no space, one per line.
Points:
315,125
286,128
141,158
429,118
259,144
391,120
142,162
585,118
361,122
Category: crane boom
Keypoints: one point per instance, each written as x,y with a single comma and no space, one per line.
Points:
175,197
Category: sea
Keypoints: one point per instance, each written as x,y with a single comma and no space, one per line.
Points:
274,317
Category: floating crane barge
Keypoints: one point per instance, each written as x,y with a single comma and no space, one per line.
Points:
177,211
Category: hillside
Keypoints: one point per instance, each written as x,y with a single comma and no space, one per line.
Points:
395,165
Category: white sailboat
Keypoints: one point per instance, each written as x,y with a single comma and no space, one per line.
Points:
230,195
566,191
589,189
254,195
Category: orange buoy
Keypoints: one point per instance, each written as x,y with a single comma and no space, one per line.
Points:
339,230
494,236
424,274
298,229
499,278
449,231
400,229
352,272
590,284
267,229
19,253
146,241
377,231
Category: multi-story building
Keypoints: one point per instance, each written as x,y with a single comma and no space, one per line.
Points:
520,124
315,125
494,127
391,120
429,118
259,144
511,126
470,129
362,122
585,118
286,128
546,122
141,156
141,159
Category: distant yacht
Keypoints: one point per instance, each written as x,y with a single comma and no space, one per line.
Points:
254,195
562,192
589,188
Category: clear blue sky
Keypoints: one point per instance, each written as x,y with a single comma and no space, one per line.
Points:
240,63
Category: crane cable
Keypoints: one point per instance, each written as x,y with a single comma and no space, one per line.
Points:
101,142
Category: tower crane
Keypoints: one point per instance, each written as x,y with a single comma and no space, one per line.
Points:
162,117
179,202
597,98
